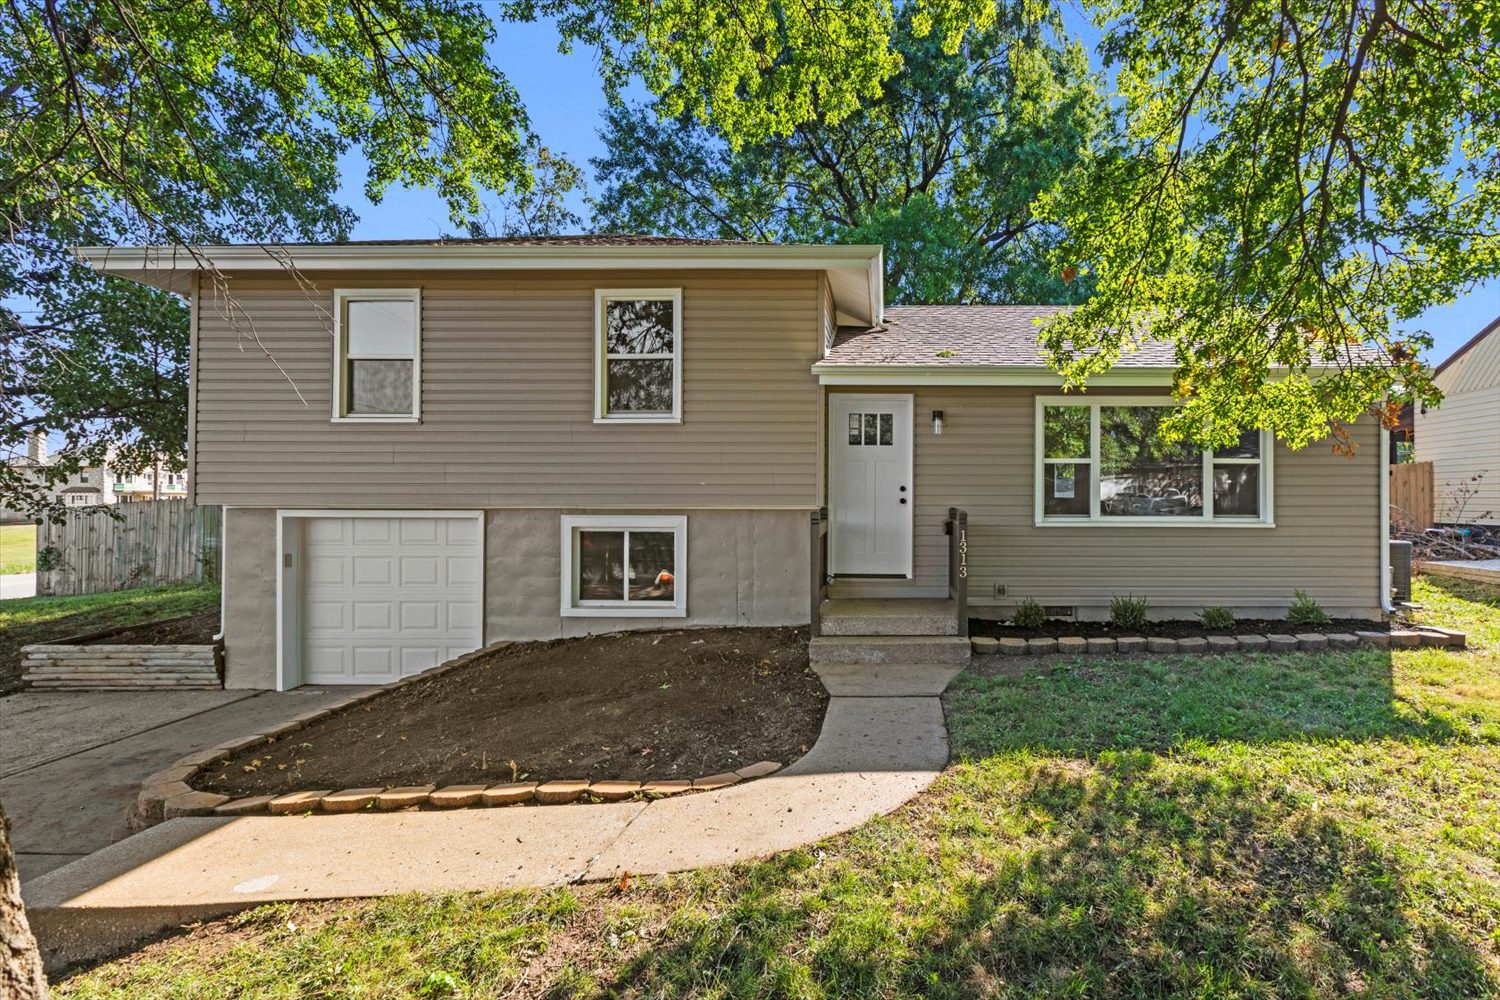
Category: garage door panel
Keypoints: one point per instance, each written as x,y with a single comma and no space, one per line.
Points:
372,530
420,530
463,616
419,616
327,663
463,571
387,597
376,662
419,571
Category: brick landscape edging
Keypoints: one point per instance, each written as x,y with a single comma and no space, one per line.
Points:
167,794
1307,642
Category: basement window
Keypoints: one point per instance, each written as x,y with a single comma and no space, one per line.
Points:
624,566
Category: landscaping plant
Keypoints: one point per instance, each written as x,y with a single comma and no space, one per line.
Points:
1305,610
1216,618
1128,611
1029,614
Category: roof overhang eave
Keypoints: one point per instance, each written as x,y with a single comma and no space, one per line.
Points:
1032,375
175,268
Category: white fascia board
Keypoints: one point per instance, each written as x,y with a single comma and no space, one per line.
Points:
433,257
869,375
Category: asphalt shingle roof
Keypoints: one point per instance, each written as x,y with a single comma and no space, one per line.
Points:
964,336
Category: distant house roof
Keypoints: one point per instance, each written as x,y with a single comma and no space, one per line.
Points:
1472,342
965,337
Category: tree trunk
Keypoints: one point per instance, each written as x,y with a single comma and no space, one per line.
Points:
20,963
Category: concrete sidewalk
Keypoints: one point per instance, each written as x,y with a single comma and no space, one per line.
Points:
14,586
873,754
71,762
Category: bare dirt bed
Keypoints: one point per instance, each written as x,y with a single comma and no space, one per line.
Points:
1178,629
673,704
194,630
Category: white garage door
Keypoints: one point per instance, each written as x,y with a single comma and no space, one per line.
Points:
386,597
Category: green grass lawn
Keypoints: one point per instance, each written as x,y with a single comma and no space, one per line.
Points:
17,548
39,619
1282,826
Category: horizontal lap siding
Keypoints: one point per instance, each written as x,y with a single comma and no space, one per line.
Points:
1327,538
507,398
1461,438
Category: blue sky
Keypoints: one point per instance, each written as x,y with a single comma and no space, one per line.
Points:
564,99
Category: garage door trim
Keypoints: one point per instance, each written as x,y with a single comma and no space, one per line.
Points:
285,638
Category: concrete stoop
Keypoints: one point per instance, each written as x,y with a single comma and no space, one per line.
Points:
889,616
889,649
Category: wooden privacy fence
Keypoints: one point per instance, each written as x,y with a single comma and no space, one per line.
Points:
1412,495
146,544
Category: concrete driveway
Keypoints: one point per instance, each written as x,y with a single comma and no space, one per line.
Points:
71,762
17,585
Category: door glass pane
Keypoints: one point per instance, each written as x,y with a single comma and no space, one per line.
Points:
1143,476
1236,491
887,424
1065,431
871,434
640,386
854,428
601,565
638,326
1248,447
653,568
1065,493
379,387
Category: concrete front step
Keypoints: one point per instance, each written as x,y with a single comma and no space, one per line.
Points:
889,616
889,649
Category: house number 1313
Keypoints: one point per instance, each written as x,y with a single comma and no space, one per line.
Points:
963,553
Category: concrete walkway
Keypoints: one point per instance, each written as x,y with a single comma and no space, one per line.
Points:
874,753
17,585
71,762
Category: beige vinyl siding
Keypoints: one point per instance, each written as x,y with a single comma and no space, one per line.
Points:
507,399
1326,539
1477,368
1461,439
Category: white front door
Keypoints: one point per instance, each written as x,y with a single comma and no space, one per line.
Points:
870,490
387,597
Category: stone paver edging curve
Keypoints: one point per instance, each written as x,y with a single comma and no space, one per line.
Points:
881,744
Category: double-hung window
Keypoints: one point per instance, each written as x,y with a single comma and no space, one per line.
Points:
1104,461
377,354
638,355
622,565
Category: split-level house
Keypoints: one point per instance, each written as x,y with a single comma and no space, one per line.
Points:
425,447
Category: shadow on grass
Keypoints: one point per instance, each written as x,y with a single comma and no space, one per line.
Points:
1070,856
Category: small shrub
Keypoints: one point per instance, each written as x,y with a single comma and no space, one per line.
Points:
1029,614
1305,610
1128,611
1216,618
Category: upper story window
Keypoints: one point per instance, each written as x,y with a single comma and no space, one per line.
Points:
377,354
638,355
1104,462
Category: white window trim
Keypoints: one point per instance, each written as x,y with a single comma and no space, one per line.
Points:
602,296
572,523
1095,519
341,296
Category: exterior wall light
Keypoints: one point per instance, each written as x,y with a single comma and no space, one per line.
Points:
937,423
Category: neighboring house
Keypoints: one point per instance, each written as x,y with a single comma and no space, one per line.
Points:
1461,437
526,439
96,486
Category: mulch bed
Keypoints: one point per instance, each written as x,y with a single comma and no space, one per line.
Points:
637,705
194,630
1177,629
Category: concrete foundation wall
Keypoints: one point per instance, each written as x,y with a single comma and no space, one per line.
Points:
744,567
249,598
